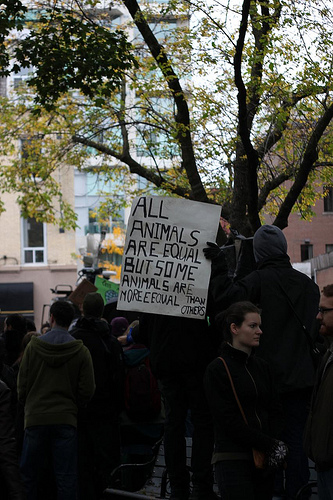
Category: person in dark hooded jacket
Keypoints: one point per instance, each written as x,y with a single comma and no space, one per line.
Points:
180,350
11,486
288,299
98,423
15,327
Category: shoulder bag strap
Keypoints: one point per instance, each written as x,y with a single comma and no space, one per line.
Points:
311,343
234,390
104,344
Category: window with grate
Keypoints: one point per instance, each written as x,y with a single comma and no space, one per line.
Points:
328,199
306,251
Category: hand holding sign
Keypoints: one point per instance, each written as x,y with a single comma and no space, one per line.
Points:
212,251
164,269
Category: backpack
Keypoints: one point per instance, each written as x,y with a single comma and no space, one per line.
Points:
142,396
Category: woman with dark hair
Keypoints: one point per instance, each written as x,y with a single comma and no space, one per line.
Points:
236,436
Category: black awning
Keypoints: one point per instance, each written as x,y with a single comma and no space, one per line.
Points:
16,298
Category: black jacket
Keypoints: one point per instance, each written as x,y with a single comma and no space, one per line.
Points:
107,359
257,393
10,480
177,345
283,343
318,438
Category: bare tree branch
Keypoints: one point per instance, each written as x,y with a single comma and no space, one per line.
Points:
182,117
249,170
307,165
134,166
278,126
269,186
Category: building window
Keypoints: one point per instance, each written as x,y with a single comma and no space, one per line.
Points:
30,149
328,199
34,238
17,83
329,248
96,226
3,86
112,258
306,252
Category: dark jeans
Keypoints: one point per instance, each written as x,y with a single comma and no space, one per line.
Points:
56,446
325,484
240,480
98,455
181,393
295,408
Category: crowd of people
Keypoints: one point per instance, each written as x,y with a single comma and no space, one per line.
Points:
247,379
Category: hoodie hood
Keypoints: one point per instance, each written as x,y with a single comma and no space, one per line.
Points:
91,324
268,241
55,354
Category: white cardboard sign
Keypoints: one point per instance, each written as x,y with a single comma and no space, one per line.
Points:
164,270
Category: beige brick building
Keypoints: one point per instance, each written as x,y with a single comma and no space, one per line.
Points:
34,257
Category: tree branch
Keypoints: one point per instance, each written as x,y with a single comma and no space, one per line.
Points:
182,117
266,21
269,186
279,125
307,165
134,166
243,130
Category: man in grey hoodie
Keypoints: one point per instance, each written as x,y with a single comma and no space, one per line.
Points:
56,377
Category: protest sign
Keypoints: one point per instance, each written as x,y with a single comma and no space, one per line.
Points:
106,288
164,270
85,287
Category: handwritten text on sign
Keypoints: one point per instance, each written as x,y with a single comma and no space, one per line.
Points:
164,270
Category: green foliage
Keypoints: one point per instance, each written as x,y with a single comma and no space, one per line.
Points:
11,16
31,165
125,122
70,51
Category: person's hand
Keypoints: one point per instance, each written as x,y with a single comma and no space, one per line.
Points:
213,250
122,339
277,455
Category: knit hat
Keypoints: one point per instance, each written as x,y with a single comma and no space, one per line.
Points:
268,241
119,326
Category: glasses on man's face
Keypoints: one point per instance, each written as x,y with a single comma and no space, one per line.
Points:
324,310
